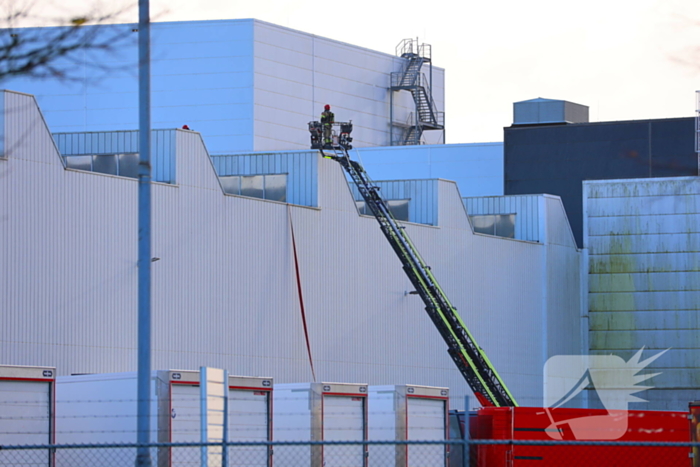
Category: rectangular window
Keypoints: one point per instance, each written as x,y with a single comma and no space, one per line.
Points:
397,207
499,225
252,186
79,162
128,165
105,164
272,187
124,165
276,187
231,185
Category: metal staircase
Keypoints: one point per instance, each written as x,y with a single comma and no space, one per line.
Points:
469,357
412,79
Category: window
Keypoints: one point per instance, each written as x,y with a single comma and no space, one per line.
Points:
500,225
124,165
272,187
397,207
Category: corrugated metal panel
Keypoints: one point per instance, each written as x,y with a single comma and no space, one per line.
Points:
644,286
119,142
422,196
526,208
558,228
2,126
26,131
225,290
301,168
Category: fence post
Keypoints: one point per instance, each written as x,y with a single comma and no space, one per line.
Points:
466,451
224,438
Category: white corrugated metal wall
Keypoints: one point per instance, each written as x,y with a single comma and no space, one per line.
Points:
643,238
224,288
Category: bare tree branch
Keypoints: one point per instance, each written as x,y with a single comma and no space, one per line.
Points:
58,52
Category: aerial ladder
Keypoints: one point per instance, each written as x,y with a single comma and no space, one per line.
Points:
484,381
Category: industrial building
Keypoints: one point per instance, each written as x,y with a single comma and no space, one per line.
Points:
224,288
245,85
552,148
229,195
644,290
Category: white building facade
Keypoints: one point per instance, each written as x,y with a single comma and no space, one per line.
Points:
245,85
225,291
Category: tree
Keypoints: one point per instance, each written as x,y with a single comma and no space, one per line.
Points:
52,52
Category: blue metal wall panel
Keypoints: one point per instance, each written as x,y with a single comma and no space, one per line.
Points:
422,196
202,77
116,142
477,168
526,208
301,168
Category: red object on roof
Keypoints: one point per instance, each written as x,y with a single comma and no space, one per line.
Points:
185,127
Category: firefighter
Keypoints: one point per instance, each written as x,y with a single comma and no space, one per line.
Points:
327,119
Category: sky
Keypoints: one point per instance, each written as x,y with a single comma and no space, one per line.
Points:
625,59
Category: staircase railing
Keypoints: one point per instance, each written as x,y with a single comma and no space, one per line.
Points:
409,47
434,116
412,79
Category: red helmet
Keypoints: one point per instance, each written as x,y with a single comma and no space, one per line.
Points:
327,107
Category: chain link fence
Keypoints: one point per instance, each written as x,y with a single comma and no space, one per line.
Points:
482,453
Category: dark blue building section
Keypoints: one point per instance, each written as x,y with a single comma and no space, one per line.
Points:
555,159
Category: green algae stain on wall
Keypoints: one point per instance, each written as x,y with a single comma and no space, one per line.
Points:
612,297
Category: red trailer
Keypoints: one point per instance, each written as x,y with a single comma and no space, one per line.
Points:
546,424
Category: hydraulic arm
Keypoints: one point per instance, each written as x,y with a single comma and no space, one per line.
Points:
471,360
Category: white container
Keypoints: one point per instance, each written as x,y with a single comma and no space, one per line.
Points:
26,413
102,408
408,413
320,412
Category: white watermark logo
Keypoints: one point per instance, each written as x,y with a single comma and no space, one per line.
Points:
615,382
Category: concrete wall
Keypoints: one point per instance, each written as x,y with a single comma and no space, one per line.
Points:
643,238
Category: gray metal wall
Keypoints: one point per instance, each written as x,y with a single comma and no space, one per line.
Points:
643,238
224,287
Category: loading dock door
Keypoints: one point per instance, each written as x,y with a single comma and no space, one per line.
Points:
25,419
248,421
343,420
426,421
185,423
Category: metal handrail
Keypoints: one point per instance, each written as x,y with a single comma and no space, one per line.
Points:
412,47
425,84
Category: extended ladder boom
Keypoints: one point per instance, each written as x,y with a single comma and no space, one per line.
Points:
466,353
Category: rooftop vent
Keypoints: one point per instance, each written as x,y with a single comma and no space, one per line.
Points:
548,111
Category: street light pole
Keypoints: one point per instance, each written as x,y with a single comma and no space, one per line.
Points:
143,456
